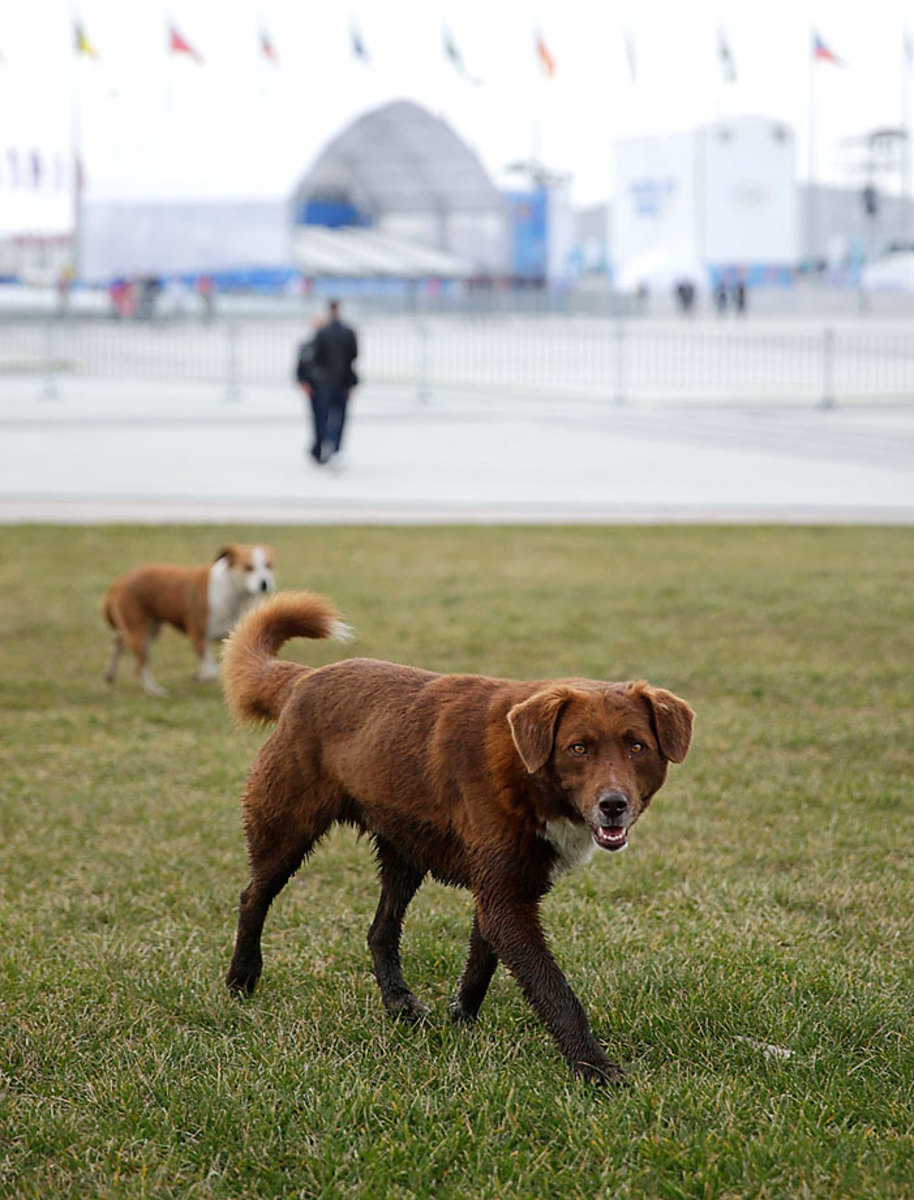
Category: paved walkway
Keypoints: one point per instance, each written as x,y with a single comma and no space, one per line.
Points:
104,451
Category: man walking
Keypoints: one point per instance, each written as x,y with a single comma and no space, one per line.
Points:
335,349
304,375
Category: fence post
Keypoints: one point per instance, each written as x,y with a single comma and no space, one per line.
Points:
828,367
619,381
424,391
233,384
50,390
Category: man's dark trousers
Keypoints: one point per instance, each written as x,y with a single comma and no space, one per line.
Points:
330,403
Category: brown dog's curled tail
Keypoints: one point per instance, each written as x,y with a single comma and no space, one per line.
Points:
256,683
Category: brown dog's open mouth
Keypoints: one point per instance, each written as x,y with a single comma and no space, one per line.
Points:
610,837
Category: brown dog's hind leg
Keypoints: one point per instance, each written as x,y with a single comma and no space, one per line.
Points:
474,982
514,932
118,646
268,877
400,881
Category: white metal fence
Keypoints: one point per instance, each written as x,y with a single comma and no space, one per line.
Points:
619,360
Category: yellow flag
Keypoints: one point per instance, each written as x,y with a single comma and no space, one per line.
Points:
83,45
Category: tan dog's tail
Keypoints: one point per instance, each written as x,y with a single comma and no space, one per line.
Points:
256,683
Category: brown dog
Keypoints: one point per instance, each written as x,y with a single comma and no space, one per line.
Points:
494,785
203,602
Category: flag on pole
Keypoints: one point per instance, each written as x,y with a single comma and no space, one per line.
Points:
630,57
452,54
455,58
725,55
267,48
359,49
546,61
177,44
82,43
822,53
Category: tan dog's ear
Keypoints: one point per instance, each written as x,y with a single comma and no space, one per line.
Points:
672,719
533,724
229,552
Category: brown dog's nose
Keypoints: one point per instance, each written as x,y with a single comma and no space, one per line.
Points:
612,805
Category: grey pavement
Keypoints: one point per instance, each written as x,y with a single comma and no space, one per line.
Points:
109,451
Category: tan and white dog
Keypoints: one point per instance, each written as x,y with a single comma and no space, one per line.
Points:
203,602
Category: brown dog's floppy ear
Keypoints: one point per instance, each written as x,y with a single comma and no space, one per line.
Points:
672,719
533,724
229,553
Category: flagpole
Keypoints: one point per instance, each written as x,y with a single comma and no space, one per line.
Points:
359,64
536,132
812,200
719,55
632,63
169,62
76,170
906,51
443,91
261,60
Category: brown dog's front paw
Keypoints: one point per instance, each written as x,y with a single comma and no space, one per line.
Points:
460,1015
602,1074
241,982
407,1008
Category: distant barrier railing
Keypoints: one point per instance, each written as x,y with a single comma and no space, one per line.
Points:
614,360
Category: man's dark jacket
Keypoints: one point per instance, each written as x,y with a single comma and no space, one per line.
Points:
335,350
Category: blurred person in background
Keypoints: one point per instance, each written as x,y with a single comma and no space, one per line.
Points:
307,381
335,349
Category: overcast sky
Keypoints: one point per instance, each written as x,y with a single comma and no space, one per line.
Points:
161,125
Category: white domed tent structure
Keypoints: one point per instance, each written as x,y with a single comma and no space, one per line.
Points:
398,192
396,195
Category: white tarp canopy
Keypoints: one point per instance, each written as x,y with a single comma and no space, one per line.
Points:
891,272
364,254
660,270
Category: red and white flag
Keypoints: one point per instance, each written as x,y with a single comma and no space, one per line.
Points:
268,49
177,44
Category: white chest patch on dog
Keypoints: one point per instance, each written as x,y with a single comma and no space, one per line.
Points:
572,842
226,600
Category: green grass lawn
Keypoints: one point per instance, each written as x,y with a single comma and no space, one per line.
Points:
766,899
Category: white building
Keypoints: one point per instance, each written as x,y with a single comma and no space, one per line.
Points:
722,197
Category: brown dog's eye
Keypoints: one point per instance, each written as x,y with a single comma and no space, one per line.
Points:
637,747
578,748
